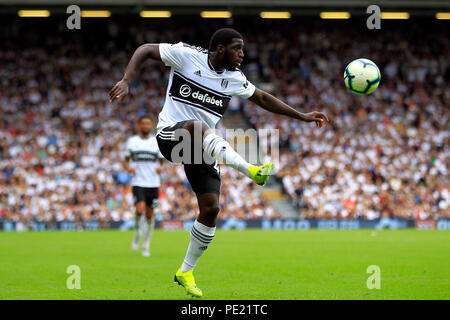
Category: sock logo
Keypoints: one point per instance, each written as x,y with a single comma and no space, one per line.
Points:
203,248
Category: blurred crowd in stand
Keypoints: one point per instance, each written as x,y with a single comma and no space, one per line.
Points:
62,143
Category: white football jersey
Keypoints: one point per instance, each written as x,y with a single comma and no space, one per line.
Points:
195,90
144,154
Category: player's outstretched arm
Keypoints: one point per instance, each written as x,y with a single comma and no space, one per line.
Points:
148,50
272,104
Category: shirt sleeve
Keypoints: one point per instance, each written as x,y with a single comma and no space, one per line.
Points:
172,54
243,87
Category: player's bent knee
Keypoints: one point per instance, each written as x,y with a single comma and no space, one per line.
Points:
210,211
140,208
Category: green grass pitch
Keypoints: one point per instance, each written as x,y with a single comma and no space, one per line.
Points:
250,264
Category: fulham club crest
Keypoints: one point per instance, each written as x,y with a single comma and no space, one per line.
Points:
224,84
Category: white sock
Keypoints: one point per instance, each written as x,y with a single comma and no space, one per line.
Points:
137,235
201,236
148,232
220,149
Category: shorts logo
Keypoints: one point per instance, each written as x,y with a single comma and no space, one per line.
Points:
185,90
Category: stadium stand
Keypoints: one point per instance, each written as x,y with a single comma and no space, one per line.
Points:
62,142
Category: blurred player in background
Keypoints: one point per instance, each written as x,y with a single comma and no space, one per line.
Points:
201,84
143,161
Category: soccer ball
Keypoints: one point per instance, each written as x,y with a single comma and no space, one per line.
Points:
362,76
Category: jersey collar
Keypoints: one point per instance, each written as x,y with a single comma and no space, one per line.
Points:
149,136
211,67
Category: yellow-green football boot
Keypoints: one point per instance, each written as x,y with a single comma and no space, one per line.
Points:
186,279
260,174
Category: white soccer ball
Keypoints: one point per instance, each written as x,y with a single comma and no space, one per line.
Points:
362,76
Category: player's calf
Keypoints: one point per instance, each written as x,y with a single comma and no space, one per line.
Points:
140,207
148,231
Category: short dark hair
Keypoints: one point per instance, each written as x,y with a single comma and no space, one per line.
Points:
224,37
145,116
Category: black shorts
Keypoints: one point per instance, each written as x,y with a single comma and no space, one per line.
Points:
149,195
203,177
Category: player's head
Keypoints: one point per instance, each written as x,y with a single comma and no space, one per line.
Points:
145,124
228,44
